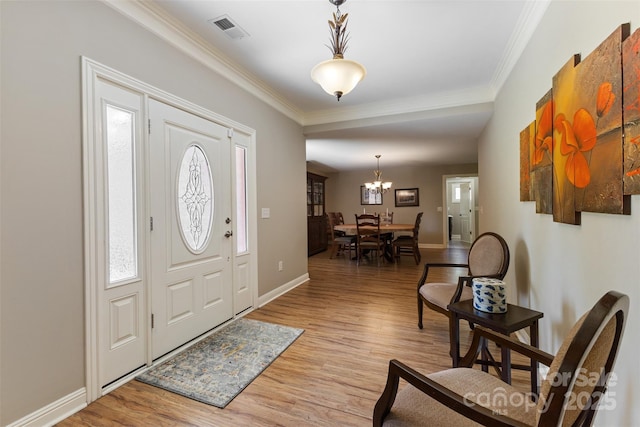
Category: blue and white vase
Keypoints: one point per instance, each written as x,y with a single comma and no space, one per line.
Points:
489,295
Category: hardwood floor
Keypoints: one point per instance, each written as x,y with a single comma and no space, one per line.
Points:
355,320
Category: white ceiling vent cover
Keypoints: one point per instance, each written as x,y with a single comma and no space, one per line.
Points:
229,27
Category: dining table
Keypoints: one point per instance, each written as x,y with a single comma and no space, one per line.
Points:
352,229
388,229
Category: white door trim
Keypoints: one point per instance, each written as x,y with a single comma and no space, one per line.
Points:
445,203
91,72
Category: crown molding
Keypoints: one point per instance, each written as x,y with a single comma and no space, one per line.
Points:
162,24
418,115
156,20
402,106
528,21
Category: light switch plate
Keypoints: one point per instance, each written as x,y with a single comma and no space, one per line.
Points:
266,213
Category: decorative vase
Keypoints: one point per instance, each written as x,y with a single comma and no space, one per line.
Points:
489,295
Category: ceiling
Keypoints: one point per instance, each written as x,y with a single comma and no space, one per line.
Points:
433,69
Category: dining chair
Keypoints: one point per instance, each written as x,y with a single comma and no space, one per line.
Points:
338,240
488,257
368,237
386,217
408,244
571,393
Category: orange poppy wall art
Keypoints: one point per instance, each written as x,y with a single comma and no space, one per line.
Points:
564,205
542,165
526,145
587,135
631,112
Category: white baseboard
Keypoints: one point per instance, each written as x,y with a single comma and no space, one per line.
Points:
431,246
74,402
270,296
54,412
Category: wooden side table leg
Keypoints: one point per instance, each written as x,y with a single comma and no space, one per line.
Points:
533,332
506,364
454,339
484,354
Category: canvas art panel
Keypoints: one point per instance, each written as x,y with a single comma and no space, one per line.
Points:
526,146
563,190
587,152
542,155
631,112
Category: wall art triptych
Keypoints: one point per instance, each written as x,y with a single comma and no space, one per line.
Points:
582,152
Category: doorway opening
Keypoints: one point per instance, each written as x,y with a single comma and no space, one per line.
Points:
460,195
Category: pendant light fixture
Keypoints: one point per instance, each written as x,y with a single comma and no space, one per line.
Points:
378,185
338,76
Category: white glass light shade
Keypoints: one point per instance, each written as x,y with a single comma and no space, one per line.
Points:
338,75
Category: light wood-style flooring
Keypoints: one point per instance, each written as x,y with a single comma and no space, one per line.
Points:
355,319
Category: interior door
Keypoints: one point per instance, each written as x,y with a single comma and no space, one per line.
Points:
465,212
190,200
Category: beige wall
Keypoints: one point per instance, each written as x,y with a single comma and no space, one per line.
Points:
343,194
41,269
561,269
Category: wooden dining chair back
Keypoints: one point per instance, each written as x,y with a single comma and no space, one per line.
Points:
408,244
488,257
368,237
571,393
386,218
338,241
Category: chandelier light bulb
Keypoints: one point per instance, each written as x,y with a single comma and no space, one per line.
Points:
378,185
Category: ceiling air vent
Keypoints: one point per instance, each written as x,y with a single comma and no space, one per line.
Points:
230,28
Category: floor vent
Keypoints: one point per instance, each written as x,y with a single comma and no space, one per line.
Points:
230,28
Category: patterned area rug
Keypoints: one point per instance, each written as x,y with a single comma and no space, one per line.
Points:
217,369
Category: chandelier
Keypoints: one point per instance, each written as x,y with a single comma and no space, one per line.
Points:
378,185
338,76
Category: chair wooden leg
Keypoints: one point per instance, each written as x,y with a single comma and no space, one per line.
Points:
333,250
420,308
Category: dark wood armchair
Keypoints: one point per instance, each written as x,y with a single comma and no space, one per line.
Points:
570,394
488,257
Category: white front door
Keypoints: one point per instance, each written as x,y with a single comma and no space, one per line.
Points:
190,200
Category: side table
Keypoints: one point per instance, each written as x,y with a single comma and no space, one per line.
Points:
513,320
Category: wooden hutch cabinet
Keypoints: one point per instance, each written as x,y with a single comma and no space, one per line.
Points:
316,219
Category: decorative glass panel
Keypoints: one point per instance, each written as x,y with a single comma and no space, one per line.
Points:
195,198
123,260
241,199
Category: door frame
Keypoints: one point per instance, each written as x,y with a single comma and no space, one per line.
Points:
242,136
472,179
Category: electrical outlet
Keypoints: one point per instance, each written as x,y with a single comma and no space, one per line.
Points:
280,266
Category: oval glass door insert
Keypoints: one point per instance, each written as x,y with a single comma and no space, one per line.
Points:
195,198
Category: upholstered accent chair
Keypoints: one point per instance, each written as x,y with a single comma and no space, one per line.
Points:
570,393
488,257
408,244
